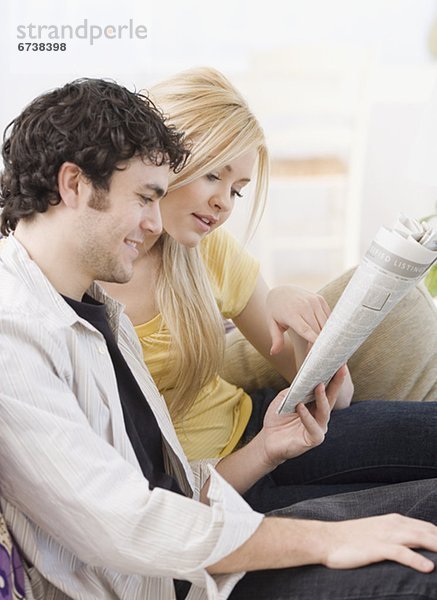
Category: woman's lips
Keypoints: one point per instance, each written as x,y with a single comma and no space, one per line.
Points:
201,223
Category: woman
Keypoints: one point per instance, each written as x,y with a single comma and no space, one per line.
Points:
210,415
196,274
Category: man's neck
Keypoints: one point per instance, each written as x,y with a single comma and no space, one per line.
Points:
52,255
138,294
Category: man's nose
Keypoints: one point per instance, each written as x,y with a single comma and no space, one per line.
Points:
152,221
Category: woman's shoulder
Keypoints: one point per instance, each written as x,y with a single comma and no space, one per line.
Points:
231,269
219,238
221,246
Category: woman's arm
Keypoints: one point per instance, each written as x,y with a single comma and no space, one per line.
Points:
270,313
281,438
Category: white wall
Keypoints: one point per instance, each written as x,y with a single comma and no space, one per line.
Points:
224,34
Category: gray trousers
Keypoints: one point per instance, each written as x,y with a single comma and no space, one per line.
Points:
386,580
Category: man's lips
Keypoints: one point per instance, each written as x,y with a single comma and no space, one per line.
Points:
132,245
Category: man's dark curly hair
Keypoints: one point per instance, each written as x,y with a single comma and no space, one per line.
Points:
93,123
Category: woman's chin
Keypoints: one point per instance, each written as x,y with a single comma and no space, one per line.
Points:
189,241
192,243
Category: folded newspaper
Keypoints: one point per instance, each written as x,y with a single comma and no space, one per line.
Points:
396,259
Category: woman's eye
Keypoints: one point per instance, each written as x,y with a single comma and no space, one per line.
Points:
213,177
236,193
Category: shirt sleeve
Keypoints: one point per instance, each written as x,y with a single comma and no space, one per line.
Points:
101,509
224,498
231,269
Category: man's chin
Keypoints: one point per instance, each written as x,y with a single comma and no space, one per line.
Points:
148,244
124,278
118,277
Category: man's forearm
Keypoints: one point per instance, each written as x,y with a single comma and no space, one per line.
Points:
277,543
282,542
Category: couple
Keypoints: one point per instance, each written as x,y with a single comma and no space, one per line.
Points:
95,486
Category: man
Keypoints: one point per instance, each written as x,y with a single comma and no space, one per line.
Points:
95,488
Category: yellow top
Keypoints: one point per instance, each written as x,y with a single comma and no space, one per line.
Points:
216,421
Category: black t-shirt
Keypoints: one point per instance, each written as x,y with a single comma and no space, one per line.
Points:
141,425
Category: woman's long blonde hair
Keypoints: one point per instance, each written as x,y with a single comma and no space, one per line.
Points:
219,127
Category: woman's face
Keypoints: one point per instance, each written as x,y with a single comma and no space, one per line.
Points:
194,210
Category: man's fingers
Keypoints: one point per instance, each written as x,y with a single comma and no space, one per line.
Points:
405,556
401,534
394,537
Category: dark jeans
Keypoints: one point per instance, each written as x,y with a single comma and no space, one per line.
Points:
386,580
368,445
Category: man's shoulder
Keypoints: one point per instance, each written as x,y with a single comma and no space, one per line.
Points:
14,294
20,304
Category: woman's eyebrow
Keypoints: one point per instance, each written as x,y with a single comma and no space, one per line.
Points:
229,168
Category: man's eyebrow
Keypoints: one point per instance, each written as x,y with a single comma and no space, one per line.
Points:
151,187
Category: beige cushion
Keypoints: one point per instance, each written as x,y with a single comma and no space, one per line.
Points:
246,368
397,362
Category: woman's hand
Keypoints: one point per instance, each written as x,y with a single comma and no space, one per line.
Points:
303,314
282,437
289,435
301,349
292,307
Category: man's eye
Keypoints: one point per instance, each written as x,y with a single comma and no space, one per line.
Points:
144,200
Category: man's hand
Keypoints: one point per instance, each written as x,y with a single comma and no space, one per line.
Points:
281,542
351,544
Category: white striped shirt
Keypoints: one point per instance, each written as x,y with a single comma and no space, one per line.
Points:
71,488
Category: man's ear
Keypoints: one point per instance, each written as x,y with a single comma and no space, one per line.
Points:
71,184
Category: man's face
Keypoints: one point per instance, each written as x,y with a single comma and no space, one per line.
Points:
113,225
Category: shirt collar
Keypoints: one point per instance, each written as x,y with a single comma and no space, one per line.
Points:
16,259
114,309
